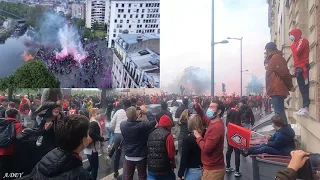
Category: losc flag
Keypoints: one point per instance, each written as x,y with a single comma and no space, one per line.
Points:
238,136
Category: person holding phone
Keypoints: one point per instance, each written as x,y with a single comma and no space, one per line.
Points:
298,159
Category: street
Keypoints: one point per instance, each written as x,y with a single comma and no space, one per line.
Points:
106,172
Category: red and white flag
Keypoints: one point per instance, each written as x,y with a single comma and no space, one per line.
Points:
238,137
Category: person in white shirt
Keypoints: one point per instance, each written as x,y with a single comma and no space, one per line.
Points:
116,120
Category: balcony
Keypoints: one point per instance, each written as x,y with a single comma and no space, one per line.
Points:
118,55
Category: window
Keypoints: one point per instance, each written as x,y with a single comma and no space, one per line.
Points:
137,31
115,20
128,10
141,5
114,35
120,26
137,16
129,26
129,5
120,30
128,21
141,15
130,15
122,5
146,26
137,25
138,20
137,10
118,15
121,21
124,16
142,10
117,5
114,30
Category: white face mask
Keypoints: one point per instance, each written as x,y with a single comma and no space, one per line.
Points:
292,38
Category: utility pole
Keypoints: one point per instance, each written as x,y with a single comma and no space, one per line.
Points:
212,50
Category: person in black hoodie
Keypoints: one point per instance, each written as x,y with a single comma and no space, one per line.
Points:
246,114
233,116
135,135
164,111
281,143
64,162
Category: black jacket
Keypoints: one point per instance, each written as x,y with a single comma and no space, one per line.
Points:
59,165
286,174
180,110
191,154
135,135
164,112
233,116
246,115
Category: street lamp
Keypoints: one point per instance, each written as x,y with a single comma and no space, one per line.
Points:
239,39
212,62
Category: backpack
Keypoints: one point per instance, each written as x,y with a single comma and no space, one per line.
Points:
245,115
7,132
2,112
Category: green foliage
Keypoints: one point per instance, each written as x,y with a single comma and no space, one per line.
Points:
18,9
32,74
80,23
34,14
95,26
86,33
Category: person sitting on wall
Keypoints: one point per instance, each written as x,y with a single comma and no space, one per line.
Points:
281,143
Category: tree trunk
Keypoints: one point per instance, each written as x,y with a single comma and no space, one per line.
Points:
10,93
103,98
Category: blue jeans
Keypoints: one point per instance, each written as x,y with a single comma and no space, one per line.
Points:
155,176
278,105
110,135
263,148
193,174
303,86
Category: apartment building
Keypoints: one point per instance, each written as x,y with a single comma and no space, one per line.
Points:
285,15
95,12
78,11
135,16
136,61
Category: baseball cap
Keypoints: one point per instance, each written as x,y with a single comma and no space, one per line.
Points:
271,46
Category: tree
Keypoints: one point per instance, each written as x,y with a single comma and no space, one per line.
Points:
34,13
86,33
80,23
254,86
32,74
95,26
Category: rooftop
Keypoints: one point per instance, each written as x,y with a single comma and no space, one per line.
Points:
145,60
132,38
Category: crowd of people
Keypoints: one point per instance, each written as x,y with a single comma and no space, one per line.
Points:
63,127
83,72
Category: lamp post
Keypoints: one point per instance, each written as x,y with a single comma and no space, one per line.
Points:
239,39
212,63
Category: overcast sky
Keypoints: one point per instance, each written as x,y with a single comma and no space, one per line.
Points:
186,39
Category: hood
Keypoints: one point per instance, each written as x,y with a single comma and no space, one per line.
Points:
166,122
57,162
287,131
297,33
274,53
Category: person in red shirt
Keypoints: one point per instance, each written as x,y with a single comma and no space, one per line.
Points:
24,109
161,151
7,152
212,143
300,53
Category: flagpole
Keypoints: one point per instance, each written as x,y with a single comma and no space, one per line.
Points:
257,133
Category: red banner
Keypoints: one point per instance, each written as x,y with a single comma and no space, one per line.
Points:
102,124
238,136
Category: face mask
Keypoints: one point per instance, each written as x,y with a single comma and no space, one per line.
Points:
211,114
291,37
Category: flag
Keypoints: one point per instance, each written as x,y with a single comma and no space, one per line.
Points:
238,137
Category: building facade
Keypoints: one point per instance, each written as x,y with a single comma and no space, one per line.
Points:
285,15
78,11
136,61
135,16
95,12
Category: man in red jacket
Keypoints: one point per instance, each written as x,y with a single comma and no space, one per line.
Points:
212,143
300,53
7,152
